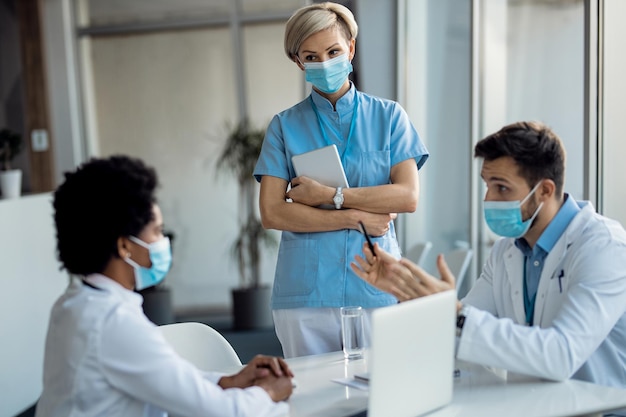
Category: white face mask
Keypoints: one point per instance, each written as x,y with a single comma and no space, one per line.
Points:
161,258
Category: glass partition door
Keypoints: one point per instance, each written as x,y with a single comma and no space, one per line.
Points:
467,69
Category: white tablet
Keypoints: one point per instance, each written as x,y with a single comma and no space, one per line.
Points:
322,165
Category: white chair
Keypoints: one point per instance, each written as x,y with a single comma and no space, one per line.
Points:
201,345
458,261
418,252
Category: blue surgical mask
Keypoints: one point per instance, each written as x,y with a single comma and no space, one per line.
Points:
161,258
328,76
504,218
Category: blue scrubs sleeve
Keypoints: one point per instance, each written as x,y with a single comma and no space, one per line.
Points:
405,141
272,160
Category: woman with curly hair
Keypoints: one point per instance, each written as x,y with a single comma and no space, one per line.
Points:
103,356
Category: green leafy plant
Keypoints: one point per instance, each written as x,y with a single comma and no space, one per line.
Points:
10,146
239,156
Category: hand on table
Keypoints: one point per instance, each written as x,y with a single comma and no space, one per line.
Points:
271,373
279,388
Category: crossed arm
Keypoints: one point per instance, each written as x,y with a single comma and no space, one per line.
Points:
375,206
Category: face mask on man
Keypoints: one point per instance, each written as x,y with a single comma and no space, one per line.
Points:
328,76
161,258
504,218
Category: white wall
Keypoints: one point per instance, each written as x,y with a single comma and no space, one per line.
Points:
31,282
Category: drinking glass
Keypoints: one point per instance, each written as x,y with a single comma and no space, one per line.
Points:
352,334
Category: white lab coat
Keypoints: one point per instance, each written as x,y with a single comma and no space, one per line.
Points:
105,358
580,319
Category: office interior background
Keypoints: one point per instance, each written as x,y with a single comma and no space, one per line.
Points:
162,80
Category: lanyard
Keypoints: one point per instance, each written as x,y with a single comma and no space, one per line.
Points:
91,285
529,305
352,123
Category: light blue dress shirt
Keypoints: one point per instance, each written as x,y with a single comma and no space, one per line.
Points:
313,268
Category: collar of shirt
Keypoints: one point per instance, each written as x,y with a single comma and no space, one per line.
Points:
555,228
107,284
344,105
559,223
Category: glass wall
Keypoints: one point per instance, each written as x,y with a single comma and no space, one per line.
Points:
435,88
532,65
471,67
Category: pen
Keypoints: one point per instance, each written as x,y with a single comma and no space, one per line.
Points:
561,274
367,237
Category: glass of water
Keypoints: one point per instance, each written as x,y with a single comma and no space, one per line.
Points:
352,333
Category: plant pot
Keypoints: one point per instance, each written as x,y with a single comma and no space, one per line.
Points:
11,183
157,305
251,308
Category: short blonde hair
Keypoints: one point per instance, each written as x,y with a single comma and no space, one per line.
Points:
309,20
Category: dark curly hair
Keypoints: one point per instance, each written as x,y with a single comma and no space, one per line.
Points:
536,149
103,200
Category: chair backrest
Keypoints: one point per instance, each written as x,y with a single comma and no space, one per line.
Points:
418,252
458,261
201,345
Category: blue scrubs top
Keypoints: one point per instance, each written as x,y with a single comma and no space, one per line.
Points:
313,269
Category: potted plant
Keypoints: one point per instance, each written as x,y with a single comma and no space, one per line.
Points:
251,300
10,179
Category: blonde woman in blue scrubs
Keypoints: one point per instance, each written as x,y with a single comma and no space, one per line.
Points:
381,153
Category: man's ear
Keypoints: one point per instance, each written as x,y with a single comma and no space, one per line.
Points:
547,189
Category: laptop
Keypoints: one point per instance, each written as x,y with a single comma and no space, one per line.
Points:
411,361
323,165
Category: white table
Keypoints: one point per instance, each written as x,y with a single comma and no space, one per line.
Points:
477,392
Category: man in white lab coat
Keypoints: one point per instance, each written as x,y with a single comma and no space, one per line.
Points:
551,299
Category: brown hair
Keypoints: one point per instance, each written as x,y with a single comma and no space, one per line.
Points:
536,149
